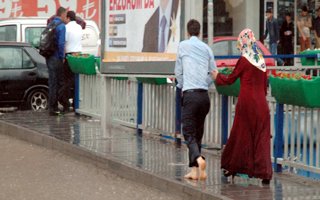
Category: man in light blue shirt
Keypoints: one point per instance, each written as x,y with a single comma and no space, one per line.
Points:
194,63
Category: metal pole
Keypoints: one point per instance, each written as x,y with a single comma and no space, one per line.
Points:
103,45
224,119
178,90
295,32
76,100
139,108
182,19
278,141
210,22
178,116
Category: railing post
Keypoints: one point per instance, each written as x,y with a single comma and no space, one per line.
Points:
76,99
139,108
278,142
224,119
178,116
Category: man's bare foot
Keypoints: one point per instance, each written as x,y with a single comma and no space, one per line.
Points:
202,168
193,174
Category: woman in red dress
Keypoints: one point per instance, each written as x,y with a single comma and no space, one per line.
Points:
248,148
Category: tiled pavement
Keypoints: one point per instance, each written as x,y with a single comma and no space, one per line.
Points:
150,160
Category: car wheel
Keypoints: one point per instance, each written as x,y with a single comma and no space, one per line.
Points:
38,100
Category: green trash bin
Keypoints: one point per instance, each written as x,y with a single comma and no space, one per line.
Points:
288,91
312,92
82,64
156,81
121,78
229,90
309,61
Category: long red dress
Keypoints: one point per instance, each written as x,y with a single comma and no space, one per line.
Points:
248,148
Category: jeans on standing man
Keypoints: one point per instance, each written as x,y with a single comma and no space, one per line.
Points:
274,51
55,69
272,29
55,61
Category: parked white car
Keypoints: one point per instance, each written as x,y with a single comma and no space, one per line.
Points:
29,30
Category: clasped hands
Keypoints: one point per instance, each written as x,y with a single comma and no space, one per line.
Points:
214,73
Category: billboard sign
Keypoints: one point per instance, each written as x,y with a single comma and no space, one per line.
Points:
141,36
86,9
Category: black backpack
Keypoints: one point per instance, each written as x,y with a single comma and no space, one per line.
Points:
48,43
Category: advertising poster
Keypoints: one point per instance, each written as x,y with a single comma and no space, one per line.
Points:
141,31
86,9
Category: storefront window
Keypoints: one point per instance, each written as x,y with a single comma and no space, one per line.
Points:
230,17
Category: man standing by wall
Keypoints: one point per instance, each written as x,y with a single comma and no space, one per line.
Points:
73,47
194,62
55,62
272,29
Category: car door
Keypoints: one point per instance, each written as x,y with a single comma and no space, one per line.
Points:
222,48
18,73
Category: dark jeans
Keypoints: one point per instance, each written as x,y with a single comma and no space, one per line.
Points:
273,51
196,106
65,92
55,80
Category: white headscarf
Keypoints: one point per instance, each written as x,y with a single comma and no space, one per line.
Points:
248,47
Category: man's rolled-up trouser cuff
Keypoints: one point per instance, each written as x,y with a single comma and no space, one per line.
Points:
194,154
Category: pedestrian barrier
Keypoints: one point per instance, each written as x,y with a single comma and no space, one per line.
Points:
89,95
295,130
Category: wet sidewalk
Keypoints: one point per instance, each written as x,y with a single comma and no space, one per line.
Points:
154,161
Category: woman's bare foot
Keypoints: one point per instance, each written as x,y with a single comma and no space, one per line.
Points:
193,174
202,168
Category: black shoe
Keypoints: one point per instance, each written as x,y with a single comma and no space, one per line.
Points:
227,173
66,110
265,182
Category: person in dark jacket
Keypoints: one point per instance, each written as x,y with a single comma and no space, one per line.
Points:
286,38
272,29
55,62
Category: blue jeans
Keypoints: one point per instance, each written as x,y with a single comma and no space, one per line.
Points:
55,67
273,49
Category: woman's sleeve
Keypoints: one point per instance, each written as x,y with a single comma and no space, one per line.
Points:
266,84
231,78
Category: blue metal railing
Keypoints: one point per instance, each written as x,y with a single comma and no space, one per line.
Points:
275,56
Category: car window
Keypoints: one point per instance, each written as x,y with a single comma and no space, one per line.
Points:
220,48
10,58
34,54
8,33
27,62
234,50
32,35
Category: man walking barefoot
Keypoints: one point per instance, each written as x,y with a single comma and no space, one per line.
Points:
194,62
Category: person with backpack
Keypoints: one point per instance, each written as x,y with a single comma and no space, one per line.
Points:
55,57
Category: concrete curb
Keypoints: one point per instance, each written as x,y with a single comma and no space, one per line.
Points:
107,162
